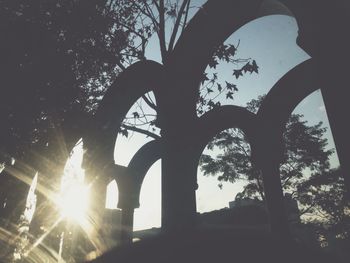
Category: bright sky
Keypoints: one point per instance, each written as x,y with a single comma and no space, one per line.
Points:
271,41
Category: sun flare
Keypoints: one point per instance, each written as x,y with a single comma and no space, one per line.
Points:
74,194
74,202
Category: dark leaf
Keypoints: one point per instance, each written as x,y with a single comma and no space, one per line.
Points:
247,68
209,90
171,12
255,67
231,50
212,63
231,86
124,132
219,87
204,78
237,73
229,95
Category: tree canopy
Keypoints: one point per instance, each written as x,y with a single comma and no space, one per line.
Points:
305,147
305,173
58,58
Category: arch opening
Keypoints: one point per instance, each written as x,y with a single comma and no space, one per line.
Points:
148,215
229,183
311,177
138,128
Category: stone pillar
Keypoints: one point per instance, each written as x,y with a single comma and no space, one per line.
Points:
178,185
127,225
275,201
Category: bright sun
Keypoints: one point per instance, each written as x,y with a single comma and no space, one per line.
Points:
74,194
74,202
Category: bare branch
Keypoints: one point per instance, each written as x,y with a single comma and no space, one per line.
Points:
149,10
131,29
145,132
156,4
177,23
161,33
147,14
149,103
186,15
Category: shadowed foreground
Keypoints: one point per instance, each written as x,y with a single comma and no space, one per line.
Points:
215,245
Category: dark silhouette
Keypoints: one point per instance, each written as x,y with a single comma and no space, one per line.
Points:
305,147
215,245
177,84
56,62
48,116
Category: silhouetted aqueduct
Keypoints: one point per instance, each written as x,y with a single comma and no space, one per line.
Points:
322,33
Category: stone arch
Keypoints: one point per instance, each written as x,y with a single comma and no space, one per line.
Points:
182,71
280,102
272,117
99,140
218,120
136,171
129,180
197,43
138,79
184,67
222,118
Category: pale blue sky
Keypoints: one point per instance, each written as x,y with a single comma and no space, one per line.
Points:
271,41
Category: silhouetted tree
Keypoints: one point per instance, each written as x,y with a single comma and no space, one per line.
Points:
305,147
58,58
166,20
305,174
325,196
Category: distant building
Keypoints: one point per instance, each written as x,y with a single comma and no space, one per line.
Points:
245,202
291,206
251,213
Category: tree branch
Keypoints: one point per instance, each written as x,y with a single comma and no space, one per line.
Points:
130,29
156,4
149,103
161,32
147,14
145,132
186,15
177,24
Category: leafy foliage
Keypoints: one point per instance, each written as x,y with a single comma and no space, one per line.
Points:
327,194
305,148
213,92
152,18
58,58
305,175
